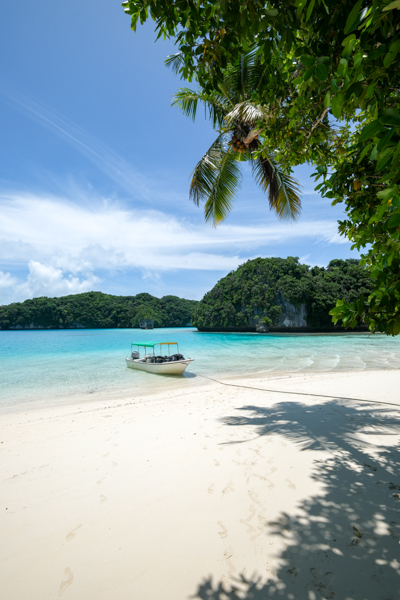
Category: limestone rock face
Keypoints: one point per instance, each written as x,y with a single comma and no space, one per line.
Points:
291,315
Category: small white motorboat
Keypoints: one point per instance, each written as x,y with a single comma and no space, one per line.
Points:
148,357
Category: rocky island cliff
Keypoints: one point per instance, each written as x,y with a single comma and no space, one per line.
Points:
277,294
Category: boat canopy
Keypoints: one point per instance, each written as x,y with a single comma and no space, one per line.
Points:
152,344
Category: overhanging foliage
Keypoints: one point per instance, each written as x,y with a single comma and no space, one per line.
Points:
337,61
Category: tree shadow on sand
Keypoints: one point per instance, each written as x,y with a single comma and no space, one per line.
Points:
343,543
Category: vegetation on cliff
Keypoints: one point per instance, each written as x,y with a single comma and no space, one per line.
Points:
97,310
257,290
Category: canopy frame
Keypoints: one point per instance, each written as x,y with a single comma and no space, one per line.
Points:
151,346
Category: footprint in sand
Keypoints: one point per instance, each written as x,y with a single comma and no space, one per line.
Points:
251,531
228,555
216,462
103,498
259,476
114,464
69,578
254,496
228,488
291,485
224,531
272,471
71,534
211,489
252,511
100,481
105,455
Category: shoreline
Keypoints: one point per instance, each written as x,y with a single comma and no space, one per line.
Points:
155,496
188,384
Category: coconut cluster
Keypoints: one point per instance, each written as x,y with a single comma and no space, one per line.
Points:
238,145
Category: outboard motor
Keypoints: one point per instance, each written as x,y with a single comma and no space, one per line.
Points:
135,354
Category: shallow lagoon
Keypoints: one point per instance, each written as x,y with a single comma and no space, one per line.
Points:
50,365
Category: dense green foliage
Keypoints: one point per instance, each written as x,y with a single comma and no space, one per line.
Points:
254,292
95,309
325,61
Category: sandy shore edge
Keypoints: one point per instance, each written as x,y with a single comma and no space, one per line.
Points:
169,495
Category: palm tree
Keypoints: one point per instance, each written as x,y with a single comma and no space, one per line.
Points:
217,176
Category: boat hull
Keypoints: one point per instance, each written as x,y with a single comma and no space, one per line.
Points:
176,367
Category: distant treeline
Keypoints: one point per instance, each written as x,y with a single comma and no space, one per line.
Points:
260,290
97,310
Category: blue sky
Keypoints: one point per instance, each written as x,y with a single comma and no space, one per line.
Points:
95,166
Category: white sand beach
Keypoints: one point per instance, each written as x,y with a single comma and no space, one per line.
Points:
195,491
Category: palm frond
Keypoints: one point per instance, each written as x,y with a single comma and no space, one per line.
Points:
175,62
238,76
247,113
215,181
283,190
187,101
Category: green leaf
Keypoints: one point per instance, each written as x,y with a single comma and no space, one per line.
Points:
348,39
371,89
327,100
358,60
352,18
364,152
392,5
370,130
386,194
271,12
310,9
377,53
390,117
307,60
385,140
387,61
394,221
336,103
309,73
395,47
321,72
383,158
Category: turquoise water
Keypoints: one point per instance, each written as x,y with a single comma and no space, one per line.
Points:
51,365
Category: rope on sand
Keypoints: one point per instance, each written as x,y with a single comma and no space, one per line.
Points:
248,387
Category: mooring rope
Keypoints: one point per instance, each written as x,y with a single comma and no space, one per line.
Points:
248,387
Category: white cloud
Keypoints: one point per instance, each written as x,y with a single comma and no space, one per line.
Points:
104,235
6,281
69,245
43,280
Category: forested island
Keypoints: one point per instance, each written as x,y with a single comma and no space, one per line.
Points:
265,294
278,294
96,310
